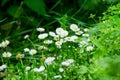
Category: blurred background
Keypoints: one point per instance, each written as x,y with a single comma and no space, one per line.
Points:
21,17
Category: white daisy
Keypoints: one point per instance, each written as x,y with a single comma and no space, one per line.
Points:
67,62
32,51
74,27
42,68
27,68
40,29
59,31
48,42
4,43
26,36
49,60
86,29
58,76
6,54
26,49
89,48
58,43
52,34
78,32
85,35
74,38
61,69
42,36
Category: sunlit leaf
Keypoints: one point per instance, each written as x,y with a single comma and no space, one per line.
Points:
83,69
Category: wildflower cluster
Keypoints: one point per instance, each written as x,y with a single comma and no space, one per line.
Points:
4,44
62,36
59,44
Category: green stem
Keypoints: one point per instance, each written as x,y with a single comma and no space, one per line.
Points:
79,9
2,60
21,63
55,5
31,42
50,23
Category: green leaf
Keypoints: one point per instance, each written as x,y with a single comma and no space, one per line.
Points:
15,11
83,69
63,21
36,5
4,2
6,26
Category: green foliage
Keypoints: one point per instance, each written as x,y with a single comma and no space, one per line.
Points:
112,12
107,68
106,34
110,1
106,37
63,21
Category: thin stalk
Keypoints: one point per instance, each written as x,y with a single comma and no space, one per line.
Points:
79,9
2,60
31,42
55,5
21,62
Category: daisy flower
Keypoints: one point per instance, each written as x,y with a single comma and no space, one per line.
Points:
49,60
32,51
6,54
74,27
